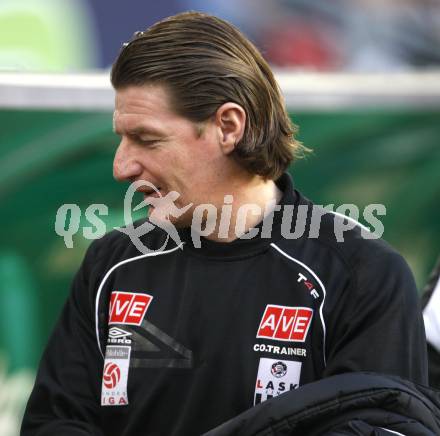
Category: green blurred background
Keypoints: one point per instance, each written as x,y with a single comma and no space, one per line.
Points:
52,157
55,157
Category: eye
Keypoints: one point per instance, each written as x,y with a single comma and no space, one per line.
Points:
148,142
144,142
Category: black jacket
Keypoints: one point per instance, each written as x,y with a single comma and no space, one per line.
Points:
359,404
178,341
432,317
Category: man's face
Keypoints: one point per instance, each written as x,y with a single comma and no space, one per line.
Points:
165,149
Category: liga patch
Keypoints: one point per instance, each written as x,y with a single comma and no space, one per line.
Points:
276,377
115,376
128,307
285,323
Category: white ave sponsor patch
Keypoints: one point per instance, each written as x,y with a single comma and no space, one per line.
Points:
115,376
275,377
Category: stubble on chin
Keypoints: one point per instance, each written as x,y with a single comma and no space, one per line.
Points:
183,221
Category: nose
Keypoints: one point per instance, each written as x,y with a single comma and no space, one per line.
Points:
126,166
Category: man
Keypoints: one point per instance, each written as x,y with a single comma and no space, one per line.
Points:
185,336
431,317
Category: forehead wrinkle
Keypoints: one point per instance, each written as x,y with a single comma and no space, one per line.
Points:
145,130
135,128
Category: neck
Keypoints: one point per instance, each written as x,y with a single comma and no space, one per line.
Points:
242,207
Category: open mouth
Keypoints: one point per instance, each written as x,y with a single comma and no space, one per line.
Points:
149,192
156,193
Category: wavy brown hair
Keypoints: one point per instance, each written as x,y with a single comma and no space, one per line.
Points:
204,62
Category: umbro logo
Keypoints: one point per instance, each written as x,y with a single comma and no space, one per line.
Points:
118,336
116,332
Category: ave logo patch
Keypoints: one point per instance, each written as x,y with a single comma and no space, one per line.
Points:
275,377
128,307
285,323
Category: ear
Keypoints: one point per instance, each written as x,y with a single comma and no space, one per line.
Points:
230,120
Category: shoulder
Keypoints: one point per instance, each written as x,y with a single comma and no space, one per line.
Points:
339,246
358,246
376,272
346,238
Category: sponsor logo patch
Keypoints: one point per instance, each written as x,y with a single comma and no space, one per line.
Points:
112,375
275,377
118,336
128,307
285,323
278,369
115,376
